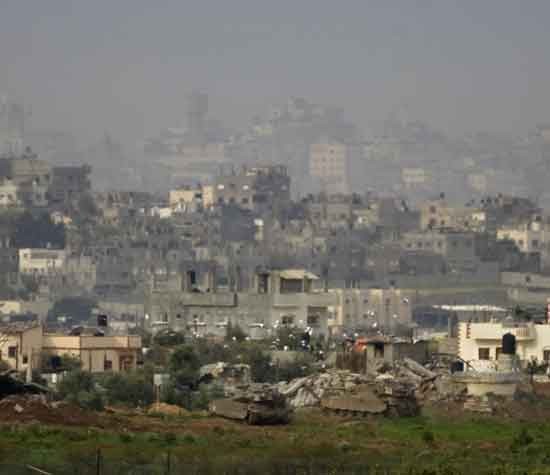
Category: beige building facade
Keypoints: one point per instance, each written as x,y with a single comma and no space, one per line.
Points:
41,261
328,164
21,346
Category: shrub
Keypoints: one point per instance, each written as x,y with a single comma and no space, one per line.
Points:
428,437
90,400
522,439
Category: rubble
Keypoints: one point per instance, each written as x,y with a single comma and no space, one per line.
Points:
400,386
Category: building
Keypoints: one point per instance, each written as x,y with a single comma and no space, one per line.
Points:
329,166
458,249
480,344
191,198
8,194
277,298
22,346
438,214
365,309
382,349
69,183
31,176
528,238
416,177
96,353
253,188
41,261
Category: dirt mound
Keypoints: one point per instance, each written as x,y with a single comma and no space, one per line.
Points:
27,408
167,409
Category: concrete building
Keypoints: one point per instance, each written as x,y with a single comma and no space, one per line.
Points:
31,176
8,194
191,198
284,297
20,345
97,354
361,309
24,345
481,343
69,183
458,249
526,237
253,188
438,214
416,177
41,261
329,166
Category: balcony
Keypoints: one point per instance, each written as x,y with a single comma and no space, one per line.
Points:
305,300
208,299
491,331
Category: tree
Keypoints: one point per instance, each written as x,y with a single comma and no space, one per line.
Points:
74,382
184,365
234,333
132,389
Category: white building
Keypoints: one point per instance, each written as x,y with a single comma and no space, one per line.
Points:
329,164
481,343
8,194
41,261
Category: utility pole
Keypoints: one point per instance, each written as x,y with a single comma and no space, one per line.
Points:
98,462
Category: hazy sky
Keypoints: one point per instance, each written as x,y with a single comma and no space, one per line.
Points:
125,65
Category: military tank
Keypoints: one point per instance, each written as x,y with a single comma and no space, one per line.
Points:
255,405
388,398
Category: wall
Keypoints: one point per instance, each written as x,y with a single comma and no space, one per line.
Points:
531,340
93,352
28,344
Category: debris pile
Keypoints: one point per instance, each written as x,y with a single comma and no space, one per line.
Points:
345,392
167,409
37,408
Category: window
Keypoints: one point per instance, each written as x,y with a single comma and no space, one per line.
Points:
25,359
484,354
498,352
546,355
535,243
107,365
433,210
313,320
287,320
12,351
244,201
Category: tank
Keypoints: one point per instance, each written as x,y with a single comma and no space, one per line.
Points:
387,398
254,405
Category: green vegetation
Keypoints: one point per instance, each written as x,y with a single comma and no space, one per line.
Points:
312,444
